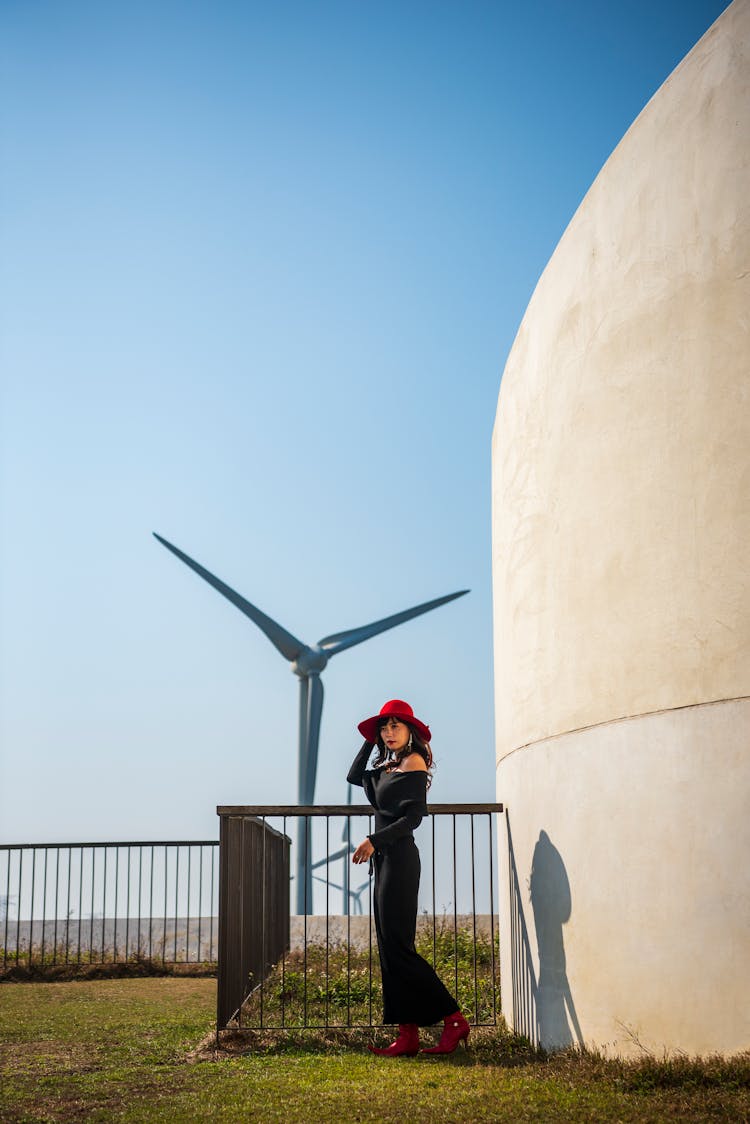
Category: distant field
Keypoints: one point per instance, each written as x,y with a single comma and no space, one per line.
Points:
128,1050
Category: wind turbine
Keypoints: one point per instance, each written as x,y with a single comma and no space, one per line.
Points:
307,662
355,895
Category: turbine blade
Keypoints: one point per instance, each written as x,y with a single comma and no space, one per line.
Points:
289,646
341,640
334,856
333,885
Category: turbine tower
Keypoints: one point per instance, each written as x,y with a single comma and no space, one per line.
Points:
307,663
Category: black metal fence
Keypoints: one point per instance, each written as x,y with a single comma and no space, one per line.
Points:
327,974
63,903
82,903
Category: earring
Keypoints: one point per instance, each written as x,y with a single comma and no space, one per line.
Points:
409,744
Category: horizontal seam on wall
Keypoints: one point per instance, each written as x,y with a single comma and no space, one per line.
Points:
622,718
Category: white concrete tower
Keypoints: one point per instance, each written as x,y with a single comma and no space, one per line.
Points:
621,563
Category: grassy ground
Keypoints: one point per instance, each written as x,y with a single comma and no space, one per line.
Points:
130,1050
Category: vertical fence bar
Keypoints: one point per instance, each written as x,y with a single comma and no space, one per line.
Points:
233,948
187,922
7,910
150,901
176,900
211,928
57,895
18,915
200,899
328,876
434,864
44,901
345,880
236,954
31,920
127,908
370,893
455,906
104,902
492,921
263,917
114,911
30,926
91,920
307,860
474,924
189,915
283,957
80,904
67,906
164,934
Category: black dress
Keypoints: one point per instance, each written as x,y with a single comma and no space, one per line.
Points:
412,991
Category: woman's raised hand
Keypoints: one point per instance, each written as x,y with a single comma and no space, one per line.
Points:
363,852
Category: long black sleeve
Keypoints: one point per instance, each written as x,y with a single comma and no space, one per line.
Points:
411,803
359,764
403,826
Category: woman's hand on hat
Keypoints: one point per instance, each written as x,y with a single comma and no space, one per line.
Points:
363,853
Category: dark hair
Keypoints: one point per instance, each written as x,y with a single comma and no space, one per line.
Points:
418,745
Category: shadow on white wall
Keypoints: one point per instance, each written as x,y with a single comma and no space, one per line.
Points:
543,1007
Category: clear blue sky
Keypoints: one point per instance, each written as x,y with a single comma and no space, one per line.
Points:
260,269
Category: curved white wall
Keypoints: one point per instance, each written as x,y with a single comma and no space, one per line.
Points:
621,553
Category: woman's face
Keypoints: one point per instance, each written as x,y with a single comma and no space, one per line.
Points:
395,734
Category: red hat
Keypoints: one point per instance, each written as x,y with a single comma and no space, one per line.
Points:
395,708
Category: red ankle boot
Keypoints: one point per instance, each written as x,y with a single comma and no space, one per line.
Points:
456,1029
406,1045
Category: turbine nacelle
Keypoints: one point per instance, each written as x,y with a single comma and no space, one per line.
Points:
310,661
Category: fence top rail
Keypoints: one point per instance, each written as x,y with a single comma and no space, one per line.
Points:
345,809
110,843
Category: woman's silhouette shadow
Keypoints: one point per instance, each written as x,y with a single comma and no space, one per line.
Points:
551,903
543,1007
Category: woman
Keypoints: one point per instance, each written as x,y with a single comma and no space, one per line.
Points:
396,787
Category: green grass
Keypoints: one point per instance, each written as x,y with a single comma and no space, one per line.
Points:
130,1050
